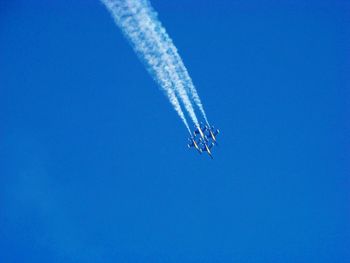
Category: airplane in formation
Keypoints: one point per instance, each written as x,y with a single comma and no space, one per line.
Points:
193,143
212,133
204,138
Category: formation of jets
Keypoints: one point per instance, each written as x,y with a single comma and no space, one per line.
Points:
203,138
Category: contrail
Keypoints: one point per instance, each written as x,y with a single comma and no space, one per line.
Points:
180,68
148,27
150,53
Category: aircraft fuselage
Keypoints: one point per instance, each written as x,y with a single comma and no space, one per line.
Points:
212,136
201,133
208,151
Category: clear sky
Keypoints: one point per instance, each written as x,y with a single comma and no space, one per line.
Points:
94,165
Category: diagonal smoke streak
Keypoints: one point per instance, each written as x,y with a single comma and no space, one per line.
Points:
146,50
148,26
174,55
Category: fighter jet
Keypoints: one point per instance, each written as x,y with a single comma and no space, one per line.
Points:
193,143
200,130
211,132
206,148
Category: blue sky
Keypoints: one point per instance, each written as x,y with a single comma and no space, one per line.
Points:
93,160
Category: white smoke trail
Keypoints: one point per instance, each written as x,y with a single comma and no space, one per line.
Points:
145,48
148,25
174,55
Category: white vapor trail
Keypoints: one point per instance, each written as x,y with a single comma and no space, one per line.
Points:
176,59
147,26
140,25
146,50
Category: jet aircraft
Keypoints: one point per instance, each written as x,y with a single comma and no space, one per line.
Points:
206,148
212,133
200,130
193,143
